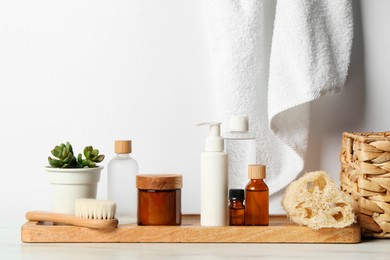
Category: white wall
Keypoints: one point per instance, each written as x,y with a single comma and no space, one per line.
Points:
90,72
364,103
94,71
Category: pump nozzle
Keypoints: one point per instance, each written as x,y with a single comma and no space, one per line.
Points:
214,142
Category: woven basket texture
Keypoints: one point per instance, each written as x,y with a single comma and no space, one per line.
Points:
365,175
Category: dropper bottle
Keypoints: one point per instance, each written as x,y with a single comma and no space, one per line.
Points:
236,207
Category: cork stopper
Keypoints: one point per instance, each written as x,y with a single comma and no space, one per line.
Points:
159,181
256,171
122,146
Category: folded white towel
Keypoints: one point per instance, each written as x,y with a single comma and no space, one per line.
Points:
311,43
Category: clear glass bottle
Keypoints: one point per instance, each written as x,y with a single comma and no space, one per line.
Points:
122,171
240,144
257,197
236,207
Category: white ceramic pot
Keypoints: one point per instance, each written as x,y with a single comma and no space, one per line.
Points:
67,185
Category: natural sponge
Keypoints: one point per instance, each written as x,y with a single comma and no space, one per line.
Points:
315,201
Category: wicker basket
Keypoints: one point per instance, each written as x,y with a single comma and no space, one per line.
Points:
365,175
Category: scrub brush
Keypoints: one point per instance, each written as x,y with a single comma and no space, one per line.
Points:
90,213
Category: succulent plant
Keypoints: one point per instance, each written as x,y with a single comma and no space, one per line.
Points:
66,159
92,157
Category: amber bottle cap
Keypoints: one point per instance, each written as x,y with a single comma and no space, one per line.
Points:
122,146
256,171
159,181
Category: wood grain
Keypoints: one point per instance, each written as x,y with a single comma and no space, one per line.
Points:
279,231
159,181
71,220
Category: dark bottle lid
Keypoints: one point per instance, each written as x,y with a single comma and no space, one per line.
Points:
237,194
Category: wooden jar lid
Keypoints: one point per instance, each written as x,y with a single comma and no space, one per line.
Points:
159,181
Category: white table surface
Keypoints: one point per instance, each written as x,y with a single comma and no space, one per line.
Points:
11,247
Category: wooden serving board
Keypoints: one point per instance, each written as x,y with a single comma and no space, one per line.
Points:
280,230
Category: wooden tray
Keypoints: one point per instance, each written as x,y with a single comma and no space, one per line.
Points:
280,230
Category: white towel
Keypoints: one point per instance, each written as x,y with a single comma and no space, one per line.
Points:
310,55
311,43
240,39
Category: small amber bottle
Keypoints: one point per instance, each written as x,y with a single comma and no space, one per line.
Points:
236,207
257,198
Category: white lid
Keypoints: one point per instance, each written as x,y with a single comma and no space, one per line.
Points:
214,141
239,124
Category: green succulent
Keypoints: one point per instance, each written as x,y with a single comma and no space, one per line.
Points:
64,157
92,157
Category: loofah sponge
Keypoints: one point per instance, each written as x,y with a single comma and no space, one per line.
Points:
315,201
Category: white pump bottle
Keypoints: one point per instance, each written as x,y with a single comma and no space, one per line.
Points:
214,179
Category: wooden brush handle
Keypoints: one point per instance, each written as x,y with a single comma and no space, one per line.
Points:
71,220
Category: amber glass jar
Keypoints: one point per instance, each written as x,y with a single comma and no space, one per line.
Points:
257,197
159,199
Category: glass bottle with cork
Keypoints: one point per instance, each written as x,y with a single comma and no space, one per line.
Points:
236,207
257,197
121,172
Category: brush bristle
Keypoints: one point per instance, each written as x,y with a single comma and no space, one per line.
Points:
95,209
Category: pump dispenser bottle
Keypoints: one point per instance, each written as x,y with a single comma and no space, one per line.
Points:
121,171
214,179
